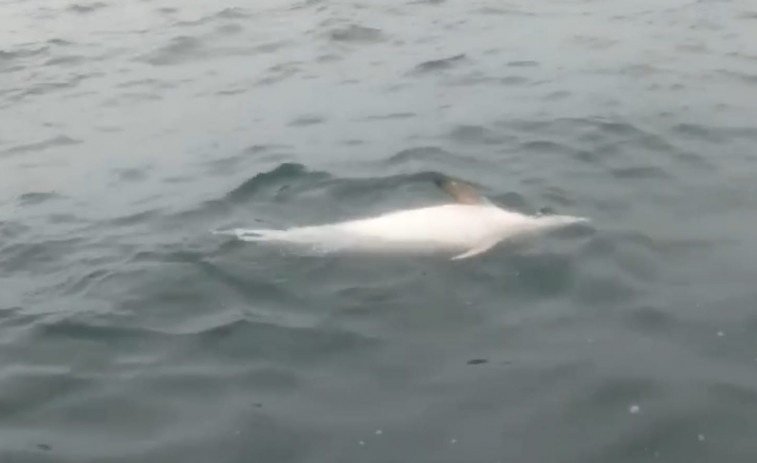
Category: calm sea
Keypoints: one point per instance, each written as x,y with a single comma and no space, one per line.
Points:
129,130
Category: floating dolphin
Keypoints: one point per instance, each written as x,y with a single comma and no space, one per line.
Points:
470,226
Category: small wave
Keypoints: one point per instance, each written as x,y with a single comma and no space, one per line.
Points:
357,34
543,146
7,57
80,284
67,60
10,230
186,49
391,116
306,120
650,319
523,64
135,219
44,88
30,199
294,345
81,330
60,140
278,73
420,153
225,14
716,134
279,176
179,50
543,275
35,255
132,175
437,65
640,172
477,134
293,177
86,8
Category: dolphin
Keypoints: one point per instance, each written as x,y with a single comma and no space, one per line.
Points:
469,226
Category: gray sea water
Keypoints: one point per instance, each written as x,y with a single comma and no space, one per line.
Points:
130,333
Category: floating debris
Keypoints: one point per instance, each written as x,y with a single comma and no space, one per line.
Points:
634,409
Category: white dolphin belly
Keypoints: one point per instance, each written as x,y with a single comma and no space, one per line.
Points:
449,226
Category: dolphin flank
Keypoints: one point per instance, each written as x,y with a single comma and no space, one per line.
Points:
470,226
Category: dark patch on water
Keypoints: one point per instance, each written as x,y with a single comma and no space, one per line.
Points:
44,88
229,29
225,14
477,361
181,49
30,199
440,64
60,140
476,134
132,175
70,60
9,230
85,8
513,80
36,256
306,120
523,64
231,92
186,49
329,58
557,196
357,34
502,11
134,219
233,13
392,116
641,172
278,73
649,319
421,153
279,178
7,56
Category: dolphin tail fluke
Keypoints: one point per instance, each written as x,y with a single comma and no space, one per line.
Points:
246,234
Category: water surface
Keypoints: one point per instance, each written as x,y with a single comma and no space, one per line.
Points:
132,129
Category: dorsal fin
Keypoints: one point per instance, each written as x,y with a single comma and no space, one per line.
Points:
461,192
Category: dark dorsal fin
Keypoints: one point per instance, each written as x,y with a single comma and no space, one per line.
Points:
461,192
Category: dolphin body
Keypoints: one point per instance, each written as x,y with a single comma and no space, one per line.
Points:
470,226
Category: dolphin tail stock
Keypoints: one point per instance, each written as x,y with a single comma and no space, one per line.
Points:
247,234
559,221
